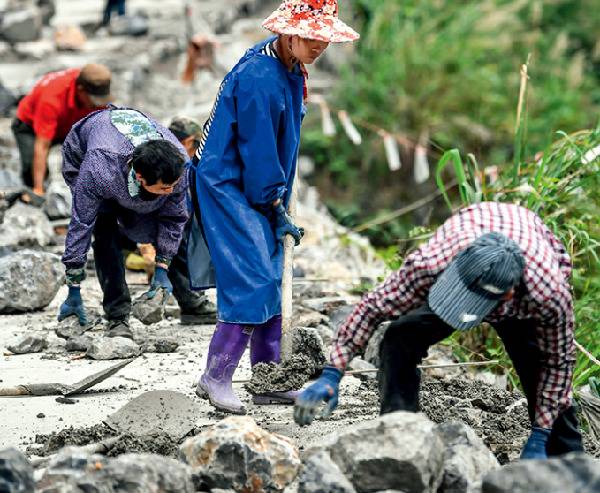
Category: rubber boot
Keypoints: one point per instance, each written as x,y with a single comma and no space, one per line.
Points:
265,347
226,348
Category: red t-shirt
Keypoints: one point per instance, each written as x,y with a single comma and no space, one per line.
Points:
51,107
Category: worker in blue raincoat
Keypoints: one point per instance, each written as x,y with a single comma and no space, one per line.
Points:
240,182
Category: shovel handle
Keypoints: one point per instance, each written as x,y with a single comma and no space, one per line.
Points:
14,391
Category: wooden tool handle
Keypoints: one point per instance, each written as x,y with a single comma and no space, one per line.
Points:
14,391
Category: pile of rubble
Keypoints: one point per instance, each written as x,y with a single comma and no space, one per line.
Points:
395,452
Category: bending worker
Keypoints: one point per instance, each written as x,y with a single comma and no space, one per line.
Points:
45,116
243,173
489,262
126,174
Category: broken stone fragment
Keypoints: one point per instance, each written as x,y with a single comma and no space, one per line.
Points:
28,344
29,280
21,25
79,343
16,472
25,225
237,454
150,311
76,470
572,473
160,345
321,475
326,305
397,451
70,327
112,348
466,458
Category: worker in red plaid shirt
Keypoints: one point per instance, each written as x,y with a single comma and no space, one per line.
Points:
490,262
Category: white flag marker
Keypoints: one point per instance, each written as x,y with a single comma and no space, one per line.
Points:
349,128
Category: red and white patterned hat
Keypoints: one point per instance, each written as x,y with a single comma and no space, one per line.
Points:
310,19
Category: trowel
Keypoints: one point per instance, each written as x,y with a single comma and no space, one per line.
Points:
40,389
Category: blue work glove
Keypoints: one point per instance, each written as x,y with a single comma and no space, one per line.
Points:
159,280
285,226
535,448
73,305
325,389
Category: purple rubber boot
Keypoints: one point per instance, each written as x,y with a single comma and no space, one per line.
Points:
227,345
265,347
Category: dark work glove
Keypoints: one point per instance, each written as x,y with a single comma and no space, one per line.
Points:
325,389
535,448
285,226
159,280
73,305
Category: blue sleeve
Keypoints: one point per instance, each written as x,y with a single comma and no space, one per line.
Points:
260,110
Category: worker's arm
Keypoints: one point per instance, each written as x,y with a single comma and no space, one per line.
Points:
41,149
260,114
401,292
555,340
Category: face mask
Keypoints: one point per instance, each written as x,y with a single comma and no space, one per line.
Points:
136,189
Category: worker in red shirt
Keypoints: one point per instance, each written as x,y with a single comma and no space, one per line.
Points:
45,116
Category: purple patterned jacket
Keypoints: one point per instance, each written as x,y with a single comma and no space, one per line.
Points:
95,167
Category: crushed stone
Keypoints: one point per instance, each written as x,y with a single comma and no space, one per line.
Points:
281,377
153,443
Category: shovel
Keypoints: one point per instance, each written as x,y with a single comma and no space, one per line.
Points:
39,389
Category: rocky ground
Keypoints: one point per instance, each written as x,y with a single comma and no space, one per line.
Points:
168,357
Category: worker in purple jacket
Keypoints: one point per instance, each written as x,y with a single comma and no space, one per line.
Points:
126,174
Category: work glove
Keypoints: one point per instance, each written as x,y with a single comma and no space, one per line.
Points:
160,280
285,226
535,448
325,389
73,305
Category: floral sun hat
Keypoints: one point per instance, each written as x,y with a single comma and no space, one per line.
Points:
310,19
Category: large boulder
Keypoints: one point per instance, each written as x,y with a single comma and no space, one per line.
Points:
321,475
25,225
466,458
397,451
29,280
16,472
237,454
573,473
74,470
21,25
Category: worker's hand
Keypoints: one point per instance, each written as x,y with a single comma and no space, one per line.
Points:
325,389
160,280
73,305
535,448
285,226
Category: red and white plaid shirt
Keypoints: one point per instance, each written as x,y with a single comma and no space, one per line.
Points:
545,295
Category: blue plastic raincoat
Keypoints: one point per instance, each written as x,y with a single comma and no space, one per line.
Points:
246,160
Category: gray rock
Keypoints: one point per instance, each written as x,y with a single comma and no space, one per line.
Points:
74,470
134,25
339,316
572,473
79,343
58,202
372,351
28,344
29,280
8,178
237,454
69,327
16,473
56,346
21,25
112,348
160,345
397,451
326,305
150,311
307,342
466,458
321,475
25,225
